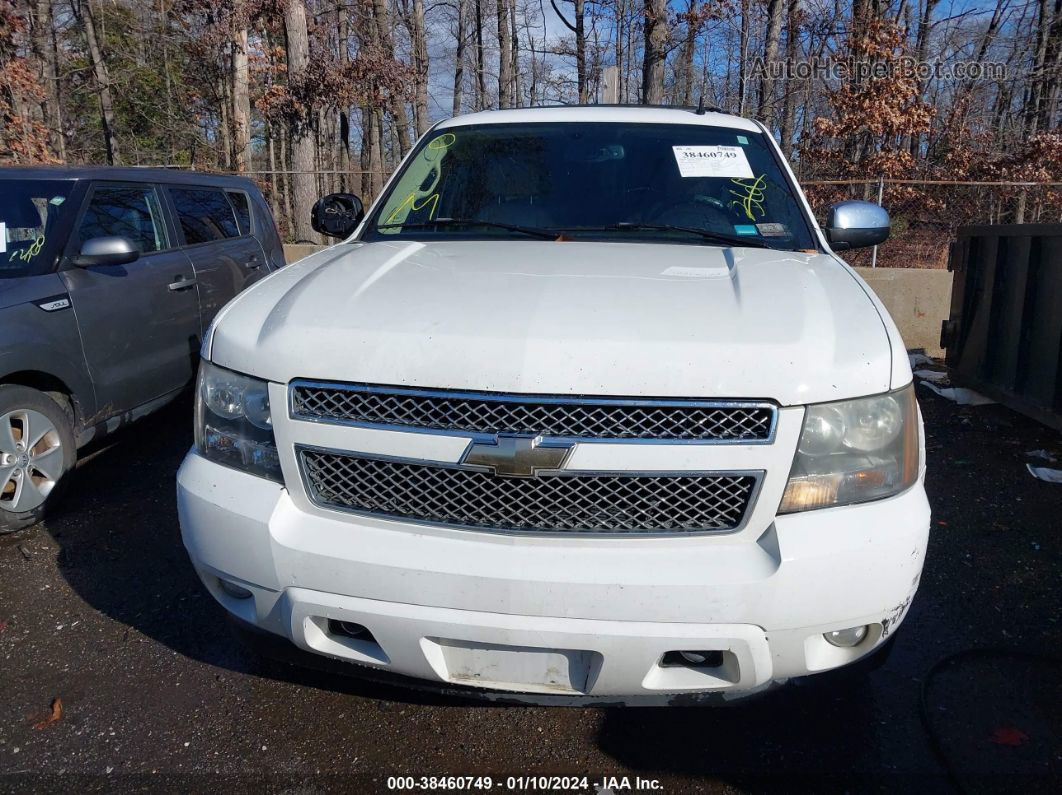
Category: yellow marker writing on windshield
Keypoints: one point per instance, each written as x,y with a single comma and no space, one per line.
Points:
410,202
750,197
28,253
444,141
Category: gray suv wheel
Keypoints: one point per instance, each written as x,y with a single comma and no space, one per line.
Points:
36,449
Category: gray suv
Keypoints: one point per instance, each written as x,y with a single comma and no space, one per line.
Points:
108,279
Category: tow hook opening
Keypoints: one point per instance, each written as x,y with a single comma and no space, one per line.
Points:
711,658
350,629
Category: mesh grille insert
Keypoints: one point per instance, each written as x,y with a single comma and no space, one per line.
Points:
573,503
582,418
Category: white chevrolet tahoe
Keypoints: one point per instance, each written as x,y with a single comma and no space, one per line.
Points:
585,405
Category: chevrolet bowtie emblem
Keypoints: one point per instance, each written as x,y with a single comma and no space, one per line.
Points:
517,456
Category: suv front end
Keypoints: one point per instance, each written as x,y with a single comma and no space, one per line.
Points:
563,459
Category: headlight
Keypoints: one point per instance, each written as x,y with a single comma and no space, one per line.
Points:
854,451
232,422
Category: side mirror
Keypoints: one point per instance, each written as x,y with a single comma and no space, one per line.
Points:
106,251
855,224
337,214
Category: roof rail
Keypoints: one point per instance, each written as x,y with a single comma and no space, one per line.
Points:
560,104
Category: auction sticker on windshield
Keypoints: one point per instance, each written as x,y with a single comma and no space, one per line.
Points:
3,237
712,161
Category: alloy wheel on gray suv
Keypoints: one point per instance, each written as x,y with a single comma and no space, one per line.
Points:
37,448
31,459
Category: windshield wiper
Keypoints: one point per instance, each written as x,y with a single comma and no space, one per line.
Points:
533,231
734,240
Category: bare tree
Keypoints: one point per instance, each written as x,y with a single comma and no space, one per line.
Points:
481,84
420,69
518,91
1037,111
505,55
241,101
396,103
578,27
459,58
44,51
303,145
655,51
103,80
765,109
791,87
684,67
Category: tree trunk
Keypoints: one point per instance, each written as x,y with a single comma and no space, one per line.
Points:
459,57
743,46
621,10
368,141
790,86
241,102
103,84
285,168
685,67
656,34
518,89
921,50
168,77
303,154
420,66
396,104
44,50
225,129
481,85
343,141
770,57
505,55
1051,77
274,198
580,50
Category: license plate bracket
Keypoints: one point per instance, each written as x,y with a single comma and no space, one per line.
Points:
515,668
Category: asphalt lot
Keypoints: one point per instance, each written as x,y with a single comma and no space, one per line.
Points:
100,608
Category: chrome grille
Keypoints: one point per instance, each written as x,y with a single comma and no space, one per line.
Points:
579,418
564,503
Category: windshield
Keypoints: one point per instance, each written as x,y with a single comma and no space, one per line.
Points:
642,182
29,212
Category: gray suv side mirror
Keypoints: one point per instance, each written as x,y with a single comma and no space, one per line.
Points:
856,224
337,214
106,251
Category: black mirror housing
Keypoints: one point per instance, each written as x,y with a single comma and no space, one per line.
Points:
856,224
337,214
111,250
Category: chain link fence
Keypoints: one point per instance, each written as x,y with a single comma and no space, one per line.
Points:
925,213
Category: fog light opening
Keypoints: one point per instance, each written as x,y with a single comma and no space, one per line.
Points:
349,629
712,658
847,638
234,590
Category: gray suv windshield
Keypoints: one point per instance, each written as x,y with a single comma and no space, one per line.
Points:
29,212
683,183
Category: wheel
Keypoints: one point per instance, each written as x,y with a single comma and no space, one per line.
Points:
36,449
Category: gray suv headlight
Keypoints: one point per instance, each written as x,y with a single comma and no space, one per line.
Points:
232,422
854,451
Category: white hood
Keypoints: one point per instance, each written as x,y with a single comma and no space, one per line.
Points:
627,319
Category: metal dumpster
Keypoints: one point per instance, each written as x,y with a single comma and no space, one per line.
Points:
1004,333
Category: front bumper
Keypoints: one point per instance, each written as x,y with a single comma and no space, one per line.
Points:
556,616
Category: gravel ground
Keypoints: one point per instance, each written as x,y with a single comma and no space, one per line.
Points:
100,609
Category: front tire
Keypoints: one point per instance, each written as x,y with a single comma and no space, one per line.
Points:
37,449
